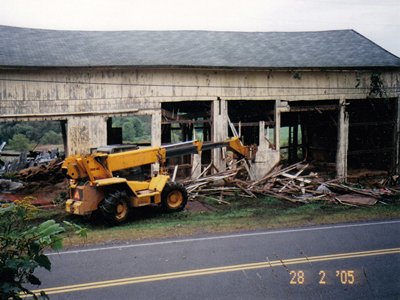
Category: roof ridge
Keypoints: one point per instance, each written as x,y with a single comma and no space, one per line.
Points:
171,30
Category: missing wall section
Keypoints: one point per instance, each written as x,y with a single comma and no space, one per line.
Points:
246,116
371,134
132,129
309,131
186,121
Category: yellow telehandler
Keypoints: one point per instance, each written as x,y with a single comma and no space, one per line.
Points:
96,184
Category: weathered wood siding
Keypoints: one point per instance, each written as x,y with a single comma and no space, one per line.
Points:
85,97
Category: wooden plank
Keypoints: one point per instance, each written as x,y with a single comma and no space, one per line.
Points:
296,175
296,178
355,199
174,174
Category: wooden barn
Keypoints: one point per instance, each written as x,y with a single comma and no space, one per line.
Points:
330,97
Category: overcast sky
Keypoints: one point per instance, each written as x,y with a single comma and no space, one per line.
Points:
379,20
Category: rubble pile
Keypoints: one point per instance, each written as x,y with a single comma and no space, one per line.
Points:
40,167
9,185
50,172
220,184
294,183
26,160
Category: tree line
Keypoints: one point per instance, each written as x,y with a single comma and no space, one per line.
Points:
25,136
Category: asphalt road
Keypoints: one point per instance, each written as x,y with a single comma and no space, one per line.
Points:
347,261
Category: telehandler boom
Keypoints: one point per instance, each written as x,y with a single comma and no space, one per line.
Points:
94,186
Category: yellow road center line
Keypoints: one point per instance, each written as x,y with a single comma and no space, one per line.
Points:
215,270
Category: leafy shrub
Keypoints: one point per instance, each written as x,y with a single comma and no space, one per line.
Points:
20,142
22,248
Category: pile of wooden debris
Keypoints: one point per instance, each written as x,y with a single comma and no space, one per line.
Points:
294,183
50,172
19,161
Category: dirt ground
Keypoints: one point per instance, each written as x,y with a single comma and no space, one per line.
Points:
46,195
197,206
42,194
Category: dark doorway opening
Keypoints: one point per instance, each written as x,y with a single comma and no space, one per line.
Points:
372,134
309,131
246,115
186,121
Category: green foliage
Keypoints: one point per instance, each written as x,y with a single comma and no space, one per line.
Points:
22,248
76,229
51,138
34,131
19,142
133,128
377,88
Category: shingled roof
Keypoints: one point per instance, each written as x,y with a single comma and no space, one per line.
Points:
24,47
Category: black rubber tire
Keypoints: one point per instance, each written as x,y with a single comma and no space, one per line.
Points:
115,207
174,197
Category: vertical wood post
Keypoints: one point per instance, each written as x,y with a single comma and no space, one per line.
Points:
156,128
277,133
343,140
84,133
219,130
196,165
155,136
